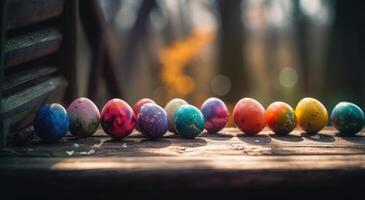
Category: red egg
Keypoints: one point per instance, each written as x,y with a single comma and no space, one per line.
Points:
249,116
140,103
117,119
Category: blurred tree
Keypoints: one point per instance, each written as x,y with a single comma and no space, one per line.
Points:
301,40
346,60
231,40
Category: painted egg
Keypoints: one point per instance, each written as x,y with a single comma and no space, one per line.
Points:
140,103
215,114
138,106
311,115
152,120
117,119
189,121
171,108
249,116
347,118
84,117
280,118
51,122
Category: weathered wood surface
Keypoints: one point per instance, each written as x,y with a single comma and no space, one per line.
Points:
26,78
30,46
225,165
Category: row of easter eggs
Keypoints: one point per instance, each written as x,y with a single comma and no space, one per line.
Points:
118,119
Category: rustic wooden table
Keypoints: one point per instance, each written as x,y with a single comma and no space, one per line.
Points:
225,165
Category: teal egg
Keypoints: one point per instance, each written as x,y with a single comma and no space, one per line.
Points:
347,118
189,121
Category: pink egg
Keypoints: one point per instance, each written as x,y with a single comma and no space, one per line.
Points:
84,117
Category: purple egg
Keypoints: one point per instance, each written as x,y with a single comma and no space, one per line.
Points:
215,113
152,120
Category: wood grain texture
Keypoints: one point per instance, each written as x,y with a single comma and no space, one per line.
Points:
259,166
30,76
27,47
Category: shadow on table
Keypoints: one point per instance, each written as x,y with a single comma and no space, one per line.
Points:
196,142
359,139
254,139
286,138
319,137
220,136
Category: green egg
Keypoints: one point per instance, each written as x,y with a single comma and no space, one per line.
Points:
347,118
189,121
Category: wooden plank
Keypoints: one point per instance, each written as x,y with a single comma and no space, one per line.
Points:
27,47
27,12
228,162
30,76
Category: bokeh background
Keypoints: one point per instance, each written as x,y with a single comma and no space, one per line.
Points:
269,50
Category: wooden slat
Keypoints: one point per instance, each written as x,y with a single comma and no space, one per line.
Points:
27,12
30,76
32,45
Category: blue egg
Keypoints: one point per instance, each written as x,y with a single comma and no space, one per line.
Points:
51,122
152,121
347,118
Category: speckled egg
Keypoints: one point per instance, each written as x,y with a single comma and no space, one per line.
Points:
152,120
138,106
347,118
140,103
117,119
189,121
249,116
51,122
280,118
171,108
311,115
215,114
84,117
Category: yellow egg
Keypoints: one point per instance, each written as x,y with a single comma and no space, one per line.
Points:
311,115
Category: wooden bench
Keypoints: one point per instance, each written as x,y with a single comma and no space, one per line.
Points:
225,165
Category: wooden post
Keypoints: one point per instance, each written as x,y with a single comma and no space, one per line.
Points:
2,45
68,50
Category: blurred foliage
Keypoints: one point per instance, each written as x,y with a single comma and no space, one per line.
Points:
266,49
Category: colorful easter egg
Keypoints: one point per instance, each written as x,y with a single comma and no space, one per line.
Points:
249,116
117,119
215,114
84,117
152,120
138,106
311,115
140,103
51,122
171,108
348,118
280,118
189,121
